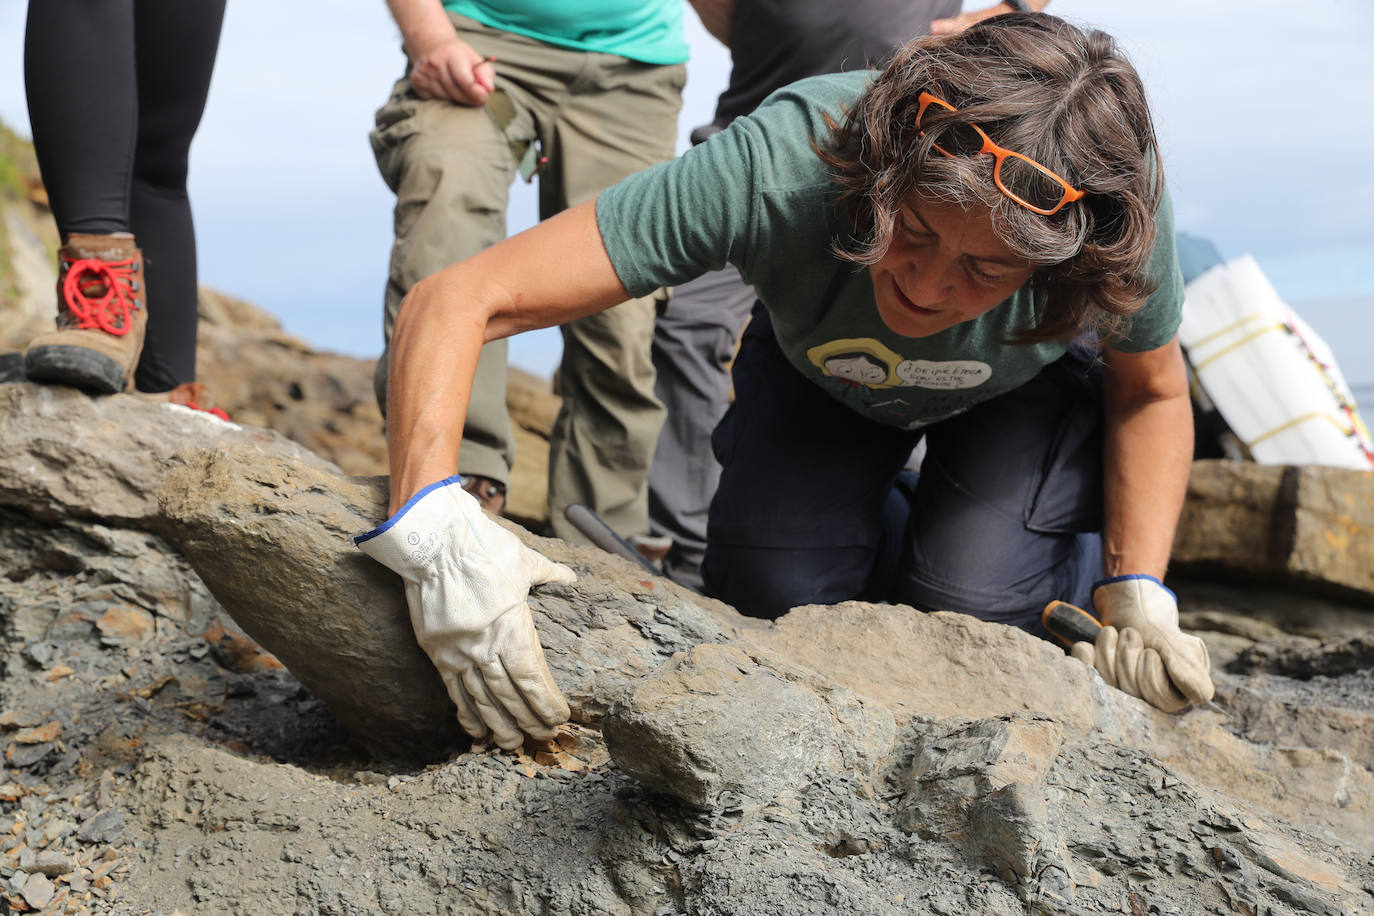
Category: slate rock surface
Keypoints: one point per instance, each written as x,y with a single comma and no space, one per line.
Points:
857,758
64,453
673,733
272,538
298,586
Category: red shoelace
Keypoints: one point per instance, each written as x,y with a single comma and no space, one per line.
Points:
187,393
100,294
212,411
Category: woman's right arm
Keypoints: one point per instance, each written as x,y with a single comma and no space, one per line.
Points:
547,275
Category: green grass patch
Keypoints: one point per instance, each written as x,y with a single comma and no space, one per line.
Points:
18,166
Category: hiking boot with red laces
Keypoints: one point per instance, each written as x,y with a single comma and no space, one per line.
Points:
101,315
490,494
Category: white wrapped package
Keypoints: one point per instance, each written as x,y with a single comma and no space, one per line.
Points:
1272,378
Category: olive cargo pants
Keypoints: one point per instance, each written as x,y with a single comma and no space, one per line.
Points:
597,118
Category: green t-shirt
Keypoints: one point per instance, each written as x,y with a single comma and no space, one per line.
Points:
757,196
650,31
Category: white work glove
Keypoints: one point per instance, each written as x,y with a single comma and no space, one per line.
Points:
466,582
1141,650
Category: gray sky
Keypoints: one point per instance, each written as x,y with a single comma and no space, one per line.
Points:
1262,109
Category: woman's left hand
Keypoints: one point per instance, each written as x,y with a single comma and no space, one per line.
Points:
1141,649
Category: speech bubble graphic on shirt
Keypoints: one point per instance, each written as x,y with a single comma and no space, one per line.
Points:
943,376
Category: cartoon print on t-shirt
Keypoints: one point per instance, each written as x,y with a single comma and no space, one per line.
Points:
861,362
868,363
859,368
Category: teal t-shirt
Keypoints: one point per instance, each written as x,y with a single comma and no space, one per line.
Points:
757,196
650,31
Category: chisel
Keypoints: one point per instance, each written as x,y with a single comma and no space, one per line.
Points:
1069,623
581,517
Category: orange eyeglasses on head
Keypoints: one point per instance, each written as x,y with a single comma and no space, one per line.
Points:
1022,179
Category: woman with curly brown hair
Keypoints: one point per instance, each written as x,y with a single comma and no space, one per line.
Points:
984,220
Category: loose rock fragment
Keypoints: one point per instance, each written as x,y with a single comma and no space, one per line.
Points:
103,827
126,625
53,863
22,756
38,891
10,719
39,735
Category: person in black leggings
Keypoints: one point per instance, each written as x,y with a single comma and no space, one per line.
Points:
115,90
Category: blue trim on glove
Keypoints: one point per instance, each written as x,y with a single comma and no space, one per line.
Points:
1109,581
384,526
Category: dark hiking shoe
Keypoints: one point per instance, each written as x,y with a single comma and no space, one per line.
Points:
101,316
11,366
490,494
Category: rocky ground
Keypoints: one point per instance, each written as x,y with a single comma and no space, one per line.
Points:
853,759
857,759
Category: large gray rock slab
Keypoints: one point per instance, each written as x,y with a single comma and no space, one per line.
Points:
64,453
1005,815
1322,789
272,539
617,624
937,665
1308,528
724,728
692,728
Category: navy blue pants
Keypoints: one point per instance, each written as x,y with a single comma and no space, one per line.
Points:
814,506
